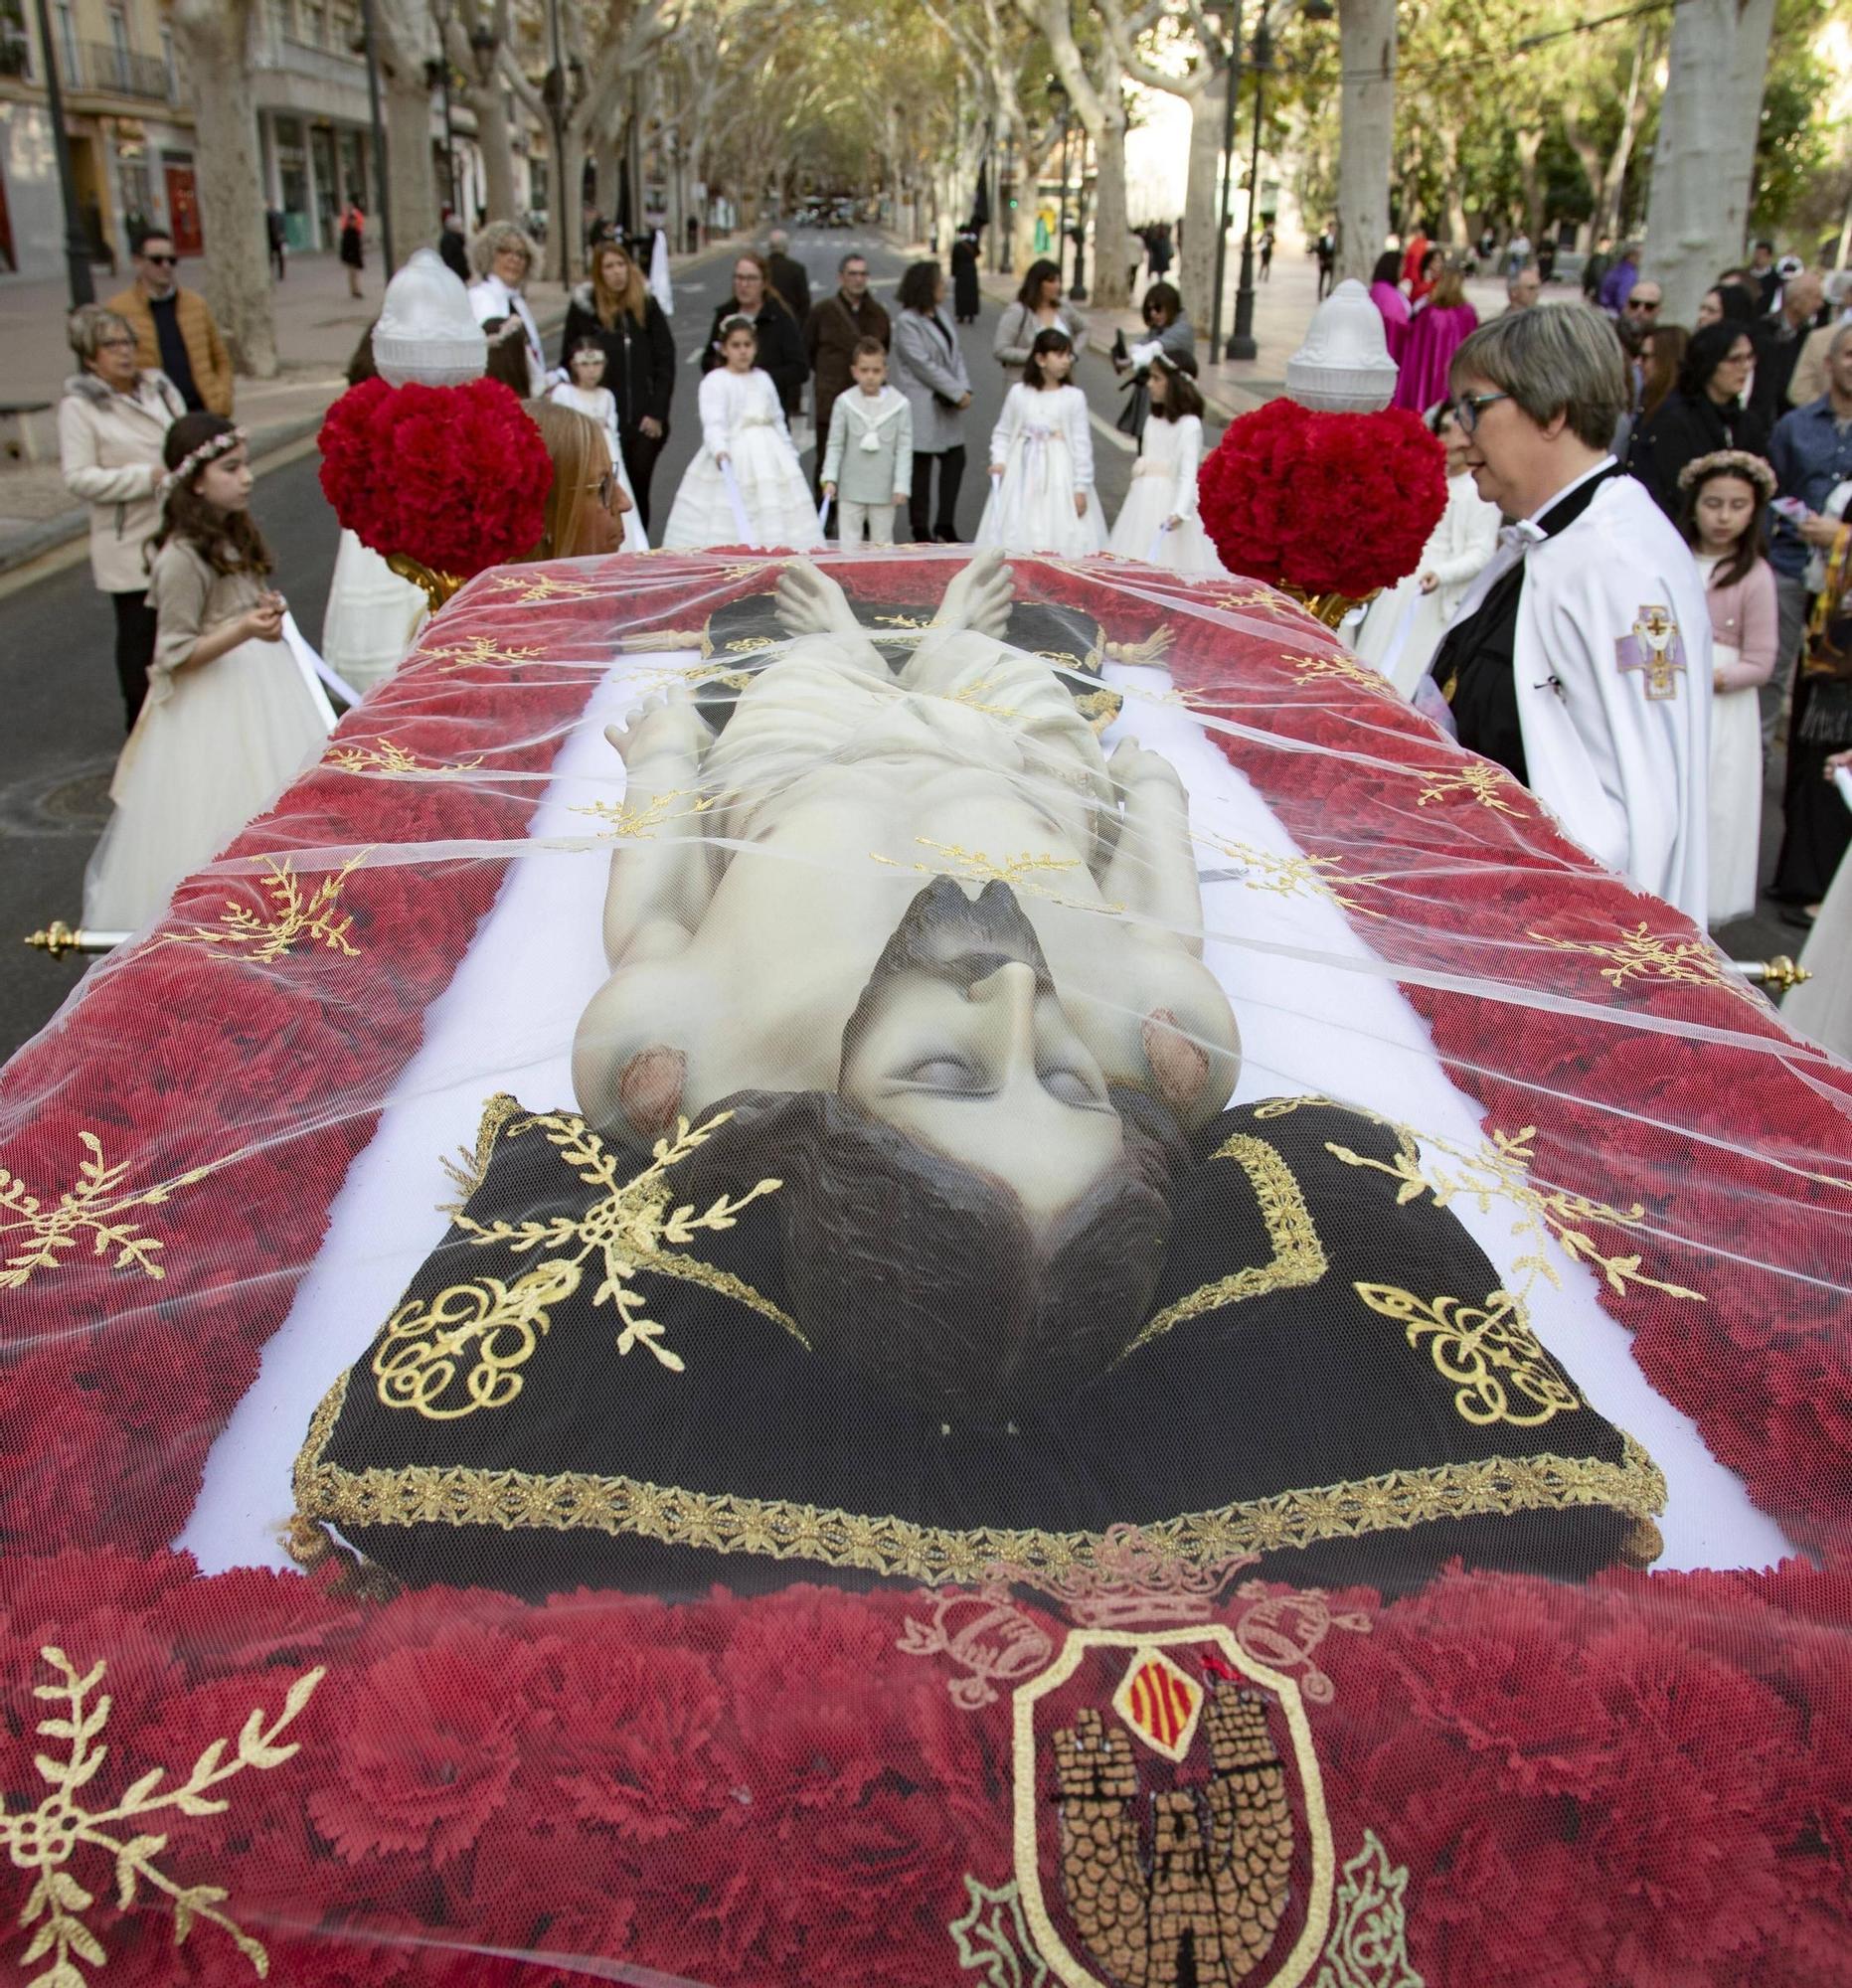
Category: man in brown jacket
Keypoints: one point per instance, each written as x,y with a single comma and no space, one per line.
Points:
174,329
830,334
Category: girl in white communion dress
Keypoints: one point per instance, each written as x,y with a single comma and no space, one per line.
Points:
1159,521
1042,495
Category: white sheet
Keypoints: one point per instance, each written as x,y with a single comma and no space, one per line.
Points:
1304,1029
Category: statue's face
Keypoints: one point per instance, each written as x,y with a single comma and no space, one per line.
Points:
961,1042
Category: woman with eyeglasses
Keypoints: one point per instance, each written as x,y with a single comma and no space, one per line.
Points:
111,425
1702,414
586,505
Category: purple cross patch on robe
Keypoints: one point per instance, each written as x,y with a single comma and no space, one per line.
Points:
1655,645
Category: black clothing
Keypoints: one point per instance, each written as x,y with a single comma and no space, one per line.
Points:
1593,273
1817,823
175,362
1283,1409
134,648
274,234
920,502
455,255
964,294
780,350
353,246
1473,666
1778,352
639,368
791,280
1767,284
1683,427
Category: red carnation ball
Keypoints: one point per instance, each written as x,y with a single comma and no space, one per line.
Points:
1326,503
454,478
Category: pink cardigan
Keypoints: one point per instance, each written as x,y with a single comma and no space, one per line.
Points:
1745,616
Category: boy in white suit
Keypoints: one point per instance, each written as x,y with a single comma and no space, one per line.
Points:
868,462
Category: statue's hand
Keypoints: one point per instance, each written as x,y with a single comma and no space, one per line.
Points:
1134,766
663,727
980,597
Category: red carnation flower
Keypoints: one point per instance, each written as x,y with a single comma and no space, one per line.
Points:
1327,503
454,478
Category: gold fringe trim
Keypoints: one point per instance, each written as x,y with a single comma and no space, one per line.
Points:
470,1170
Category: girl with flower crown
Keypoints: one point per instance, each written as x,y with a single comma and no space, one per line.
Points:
1042,495
231,716
746,486
1724,496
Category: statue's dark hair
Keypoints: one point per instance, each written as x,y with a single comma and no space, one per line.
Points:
923,1276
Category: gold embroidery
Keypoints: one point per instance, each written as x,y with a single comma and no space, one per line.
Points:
1130,1579
1499,1171
1640,954
1315,667
580,1501
470,1169
291,917
629,1227
542,586
1289,876
973,866
1282,1108
1142,654
1469,1342
640,824
992,1939
91,1208
1298,1256
46,1839
476,651
1486,784
1368,1947
498,1325
387,755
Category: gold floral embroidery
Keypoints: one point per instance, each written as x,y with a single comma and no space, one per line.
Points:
1368,1947
93,1208
580,1501
494,1325
1642,955
1479,778
45,1840
1298,1256
291,917
542,586
640,824
476,651
1289,875
1314,668
1501,1171
632,1228
973,866
387,755
1489,1350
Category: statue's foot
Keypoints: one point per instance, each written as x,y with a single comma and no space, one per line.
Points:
811,603
980,597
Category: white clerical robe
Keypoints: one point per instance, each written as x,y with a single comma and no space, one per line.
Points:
1612,673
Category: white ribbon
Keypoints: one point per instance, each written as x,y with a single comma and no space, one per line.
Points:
1157,542
740,522
823,514
315,672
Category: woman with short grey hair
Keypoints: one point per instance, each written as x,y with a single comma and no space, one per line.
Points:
111,423
503,258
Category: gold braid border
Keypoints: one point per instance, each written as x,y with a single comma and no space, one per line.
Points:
456,1495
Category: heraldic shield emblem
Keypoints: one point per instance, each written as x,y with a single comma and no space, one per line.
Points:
1170,1825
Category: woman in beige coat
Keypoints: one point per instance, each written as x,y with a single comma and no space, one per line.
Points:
111,423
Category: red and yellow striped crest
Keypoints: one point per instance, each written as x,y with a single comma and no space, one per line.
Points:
1160,1703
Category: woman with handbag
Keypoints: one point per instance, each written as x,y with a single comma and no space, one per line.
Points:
928,368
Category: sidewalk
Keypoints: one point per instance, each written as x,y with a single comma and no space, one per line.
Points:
318,326
1283,308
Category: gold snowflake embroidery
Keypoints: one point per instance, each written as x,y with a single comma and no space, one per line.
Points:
1291,876
633,1228
1314,667
46,1840
475,650
1500,1171
387,755
291,917
94,1206
1485,783
640,824
1642,955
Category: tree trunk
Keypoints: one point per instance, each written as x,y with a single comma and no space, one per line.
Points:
1527,145
410,184
1632,114
211,37
1367,50
1112,220
498,166
1698,208
1202,200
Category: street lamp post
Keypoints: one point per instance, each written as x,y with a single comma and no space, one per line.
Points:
1078,291
372,47
77,242
1228,174
1242,343
1058,96
437,76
